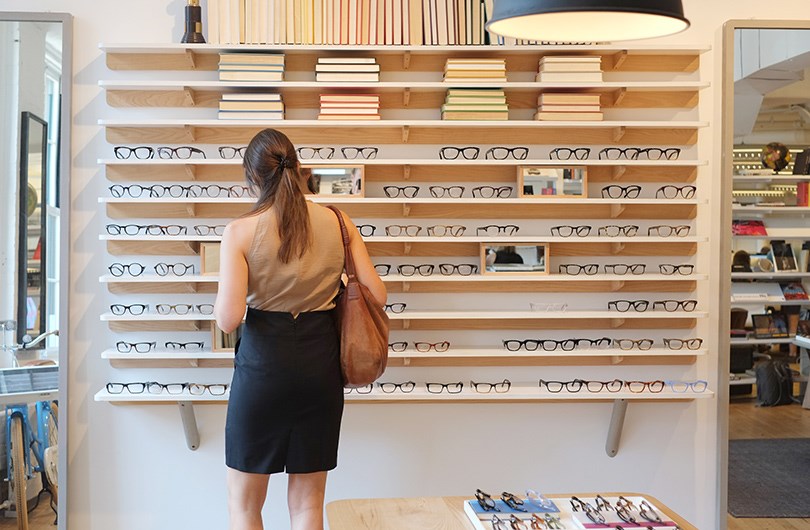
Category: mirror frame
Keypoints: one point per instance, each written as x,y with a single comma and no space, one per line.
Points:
723,265
65,123
521,174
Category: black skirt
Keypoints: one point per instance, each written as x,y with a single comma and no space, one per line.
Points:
286,398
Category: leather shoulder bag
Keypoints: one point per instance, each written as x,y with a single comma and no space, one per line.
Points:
363,325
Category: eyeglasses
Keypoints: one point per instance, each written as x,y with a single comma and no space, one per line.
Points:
149,230
134,190
488,192
555,387
568,230
485,501
513,501
407,269
382,269
177,269
498,388
397,346
316,152
185,309
395,308
366,230
141,152
395,191
402,230
137,347
629,344
132,388
548,306
177,191
621,192
359,152
463,269
638,387
551,345
674,305
438,388
567,153
548,522
498,523
454,192
590,511
502,153
427,346
497,230
574,269
602,504
196,389
119,269
616,230
598,386
621,269
672,192
446,230
133,309
389,388
184,152
209,230
185,346
647,512
624,306
231,152
683,270
679,344
668,230
635,153
365,389
153,387
452,153
682,386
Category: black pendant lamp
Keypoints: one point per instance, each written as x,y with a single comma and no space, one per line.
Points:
586,20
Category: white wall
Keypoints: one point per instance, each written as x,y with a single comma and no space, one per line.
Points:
9,154
129,469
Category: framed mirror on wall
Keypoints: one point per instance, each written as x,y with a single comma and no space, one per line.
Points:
35,54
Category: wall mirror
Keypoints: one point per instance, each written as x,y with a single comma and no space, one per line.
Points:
35,51
522,258
536,181
335,179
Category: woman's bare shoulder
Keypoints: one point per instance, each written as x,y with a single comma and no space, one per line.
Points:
241,230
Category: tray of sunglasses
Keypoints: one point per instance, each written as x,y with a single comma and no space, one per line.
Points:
639,513
482,518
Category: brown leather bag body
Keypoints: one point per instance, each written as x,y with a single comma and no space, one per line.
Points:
363,326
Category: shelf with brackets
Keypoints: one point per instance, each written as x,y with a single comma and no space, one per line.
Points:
754,341
769,275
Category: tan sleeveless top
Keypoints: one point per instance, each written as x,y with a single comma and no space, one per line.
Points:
307,284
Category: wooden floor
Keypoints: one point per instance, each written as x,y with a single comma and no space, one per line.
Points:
749,421
42,518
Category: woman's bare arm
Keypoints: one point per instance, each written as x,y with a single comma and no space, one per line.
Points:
229,307
366,274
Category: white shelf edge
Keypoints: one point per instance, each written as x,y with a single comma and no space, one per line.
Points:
768,275
413,161
753,341
166,355
423,239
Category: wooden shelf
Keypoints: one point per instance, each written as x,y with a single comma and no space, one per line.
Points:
768,275
769,178
771,210
753,341
771,302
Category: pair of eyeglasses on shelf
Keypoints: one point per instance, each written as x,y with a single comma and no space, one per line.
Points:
633,344
131,309
553,345
395,308
450,388
148,230
365,389
576,385
446,269
492,192
504,153
423,347
680,387
589,269
393,192
366,230
617,230
177,191
209,230
680,344
446,230
326,153
623,306
137,347
497,230
184,309
568,153
487,388
153,387
637,387
389,388
440,192
673,192
161,269
185,346
229,152
402,230
143,152
637,153
453,153
571,230
590,512
674,305
669,230
614,191
548,306
175,269
669,269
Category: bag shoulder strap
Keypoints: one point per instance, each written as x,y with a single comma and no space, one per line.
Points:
349,260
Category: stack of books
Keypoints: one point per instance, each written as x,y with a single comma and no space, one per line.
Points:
570,69
251,67
475,70
475,104
350,107
568,107
251,107
347,69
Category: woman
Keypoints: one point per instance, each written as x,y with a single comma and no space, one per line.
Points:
283,261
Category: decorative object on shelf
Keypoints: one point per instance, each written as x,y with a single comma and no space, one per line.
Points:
776,156
517,258
784,260
553,182
336,179
193,33
587,20
209,258
770,325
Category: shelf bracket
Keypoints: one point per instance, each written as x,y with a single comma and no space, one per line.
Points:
619,58
616,359
191,171
193,247
618,97
406,287
618,133
189,97
406,361
616,323
192,59
408,248
190,132
191,209
406,172
616,248
616,210
406,324
406,131
406,97
189,424
194,363
618,172
614,434
617,285
406,210
406,60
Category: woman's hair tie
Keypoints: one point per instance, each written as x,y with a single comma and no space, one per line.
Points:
283,163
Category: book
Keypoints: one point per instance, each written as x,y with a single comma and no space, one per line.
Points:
753,227
251,58
498,67
347,77
248,115
241,20
347,60
348,117
248,21
381,13
348,105
483,74
477,115
794,291
372,22
568,99
570,59
570,108
290,18
570,67
568,116
352,110
317,22
415,23
365,21
251,97
478,92
353,30
354,68
389,21
233,21
803,193
279,22
429,16
396,22
475,100
453,107
441,23
569,77
212,11
461,21
250,68
224,22
359,98
451,22
277,106
344,21
243,75
406,22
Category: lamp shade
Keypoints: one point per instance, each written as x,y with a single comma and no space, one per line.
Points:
586,20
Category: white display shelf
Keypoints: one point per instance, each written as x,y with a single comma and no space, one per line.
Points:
437,124
410,161
770,178
167,355
753,341
801,341
768,275
771,301
772,210
780,233
450,315
145,397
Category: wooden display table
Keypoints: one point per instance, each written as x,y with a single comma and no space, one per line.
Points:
445,513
